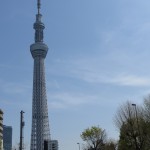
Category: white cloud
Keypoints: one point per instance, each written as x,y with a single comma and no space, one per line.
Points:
123,79
14,87
94,72
65,100
131,80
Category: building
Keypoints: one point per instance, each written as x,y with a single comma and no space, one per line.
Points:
7,137
40,122
1,129
53,145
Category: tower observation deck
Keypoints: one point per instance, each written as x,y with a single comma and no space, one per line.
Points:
40,122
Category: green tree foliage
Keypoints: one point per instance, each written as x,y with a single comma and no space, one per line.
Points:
134,128
94,137
133,137
110,145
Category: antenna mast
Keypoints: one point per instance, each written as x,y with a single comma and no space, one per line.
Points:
38,6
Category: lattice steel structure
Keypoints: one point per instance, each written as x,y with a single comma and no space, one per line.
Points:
40,122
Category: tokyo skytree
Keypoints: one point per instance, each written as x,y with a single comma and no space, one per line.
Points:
40,123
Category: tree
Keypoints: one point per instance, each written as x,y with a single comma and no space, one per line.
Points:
134,129
146,108
95,138
146,112
110,145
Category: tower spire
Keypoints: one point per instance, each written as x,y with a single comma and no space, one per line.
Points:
38,25
38,5
40,123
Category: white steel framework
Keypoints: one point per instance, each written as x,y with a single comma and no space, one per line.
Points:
40,122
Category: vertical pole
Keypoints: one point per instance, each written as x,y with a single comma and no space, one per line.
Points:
79,145
21,130
38,6
136,115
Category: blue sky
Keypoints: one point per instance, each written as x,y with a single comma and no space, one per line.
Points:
98,58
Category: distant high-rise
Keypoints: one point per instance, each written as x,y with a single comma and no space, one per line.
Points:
1,129
7,137
40,122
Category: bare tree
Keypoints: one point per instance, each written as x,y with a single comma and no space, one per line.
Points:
133,128
125,113
146,108
146,112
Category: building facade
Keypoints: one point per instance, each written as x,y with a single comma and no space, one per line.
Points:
7,137
1,129
53,145
40,121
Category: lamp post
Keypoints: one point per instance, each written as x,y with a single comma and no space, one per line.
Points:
134,105
79,145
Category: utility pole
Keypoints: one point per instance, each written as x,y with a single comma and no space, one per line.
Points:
22,124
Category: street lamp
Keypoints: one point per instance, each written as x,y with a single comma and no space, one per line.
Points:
79,145
134,105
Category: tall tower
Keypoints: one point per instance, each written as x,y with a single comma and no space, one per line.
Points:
40,123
